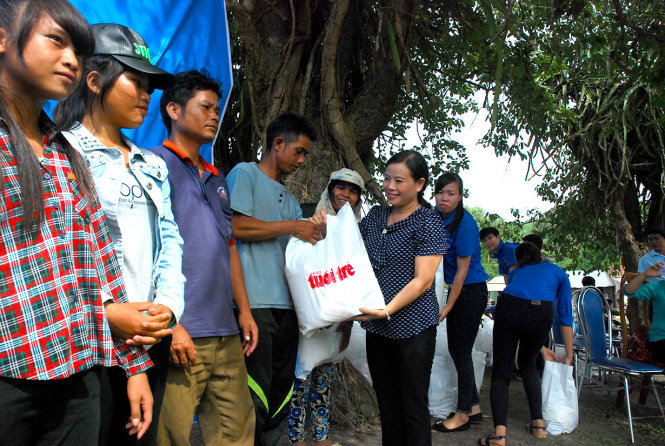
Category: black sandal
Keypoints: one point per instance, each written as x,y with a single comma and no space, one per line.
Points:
490,438
530,429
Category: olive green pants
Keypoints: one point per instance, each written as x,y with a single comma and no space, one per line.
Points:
216,390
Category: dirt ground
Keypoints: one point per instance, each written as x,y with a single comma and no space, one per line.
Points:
595,428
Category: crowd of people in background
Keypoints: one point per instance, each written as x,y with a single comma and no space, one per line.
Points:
141,287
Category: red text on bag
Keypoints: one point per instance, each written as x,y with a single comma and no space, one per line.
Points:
318,279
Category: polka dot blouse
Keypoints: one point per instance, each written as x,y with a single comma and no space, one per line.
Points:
392,252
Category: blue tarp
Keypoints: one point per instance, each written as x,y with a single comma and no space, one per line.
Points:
181,35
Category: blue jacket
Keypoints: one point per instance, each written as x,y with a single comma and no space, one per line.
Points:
151,173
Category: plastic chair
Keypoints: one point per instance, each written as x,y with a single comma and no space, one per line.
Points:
590,310
579,347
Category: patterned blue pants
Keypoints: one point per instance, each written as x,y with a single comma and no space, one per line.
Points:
311,395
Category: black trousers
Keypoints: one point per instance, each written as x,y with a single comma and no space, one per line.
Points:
271,369
115,405
53,412
400,370
462,325
527,322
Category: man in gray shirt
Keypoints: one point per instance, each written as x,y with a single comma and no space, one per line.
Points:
265,215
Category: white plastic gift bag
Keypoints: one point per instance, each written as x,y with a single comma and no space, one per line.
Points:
484,342
330,280
320,348
442,394
560,410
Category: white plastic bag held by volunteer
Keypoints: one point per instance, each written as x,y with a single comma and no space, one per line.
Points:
559,398
329,281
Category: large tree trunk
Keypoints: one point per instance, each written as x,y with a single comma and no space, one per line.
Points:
627,244
317,58
340,63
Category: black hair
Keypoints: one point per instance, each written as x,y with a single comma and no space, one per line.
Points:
74,108
185,87
660,230
588,281
535,239
527,253
18,19
289,126
490,230
445,179
417,167
334,183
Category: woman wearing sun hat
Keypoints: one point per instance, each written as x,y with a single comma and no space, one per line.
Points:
312,395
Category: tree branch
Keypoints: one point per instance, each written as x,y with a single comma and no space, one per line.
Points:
331,101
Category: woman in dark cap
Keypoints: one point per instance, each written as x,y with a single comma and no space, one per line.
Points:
133,188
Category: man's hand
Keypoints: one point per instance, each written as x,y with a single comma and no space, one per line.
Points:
307,231
320,218
183,352
140,404
250,332
127,321
654,270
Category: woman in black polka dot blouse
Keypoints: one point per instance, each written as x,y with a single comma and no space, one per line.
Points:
405,243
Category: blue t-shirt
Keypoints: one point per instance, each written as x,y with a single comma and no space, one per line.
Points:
256,195
463,243
203,213
655,292
392,252
505,255
543,281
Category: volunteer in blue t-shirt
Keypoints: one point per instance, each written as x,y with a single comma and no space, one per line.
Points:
467,297
524,315
503,252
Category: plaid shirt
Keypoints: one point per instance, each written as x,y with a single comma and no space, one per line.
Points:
53,279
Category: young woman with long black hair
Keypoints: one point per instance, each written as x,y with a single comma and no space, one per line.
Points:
467,297
57,264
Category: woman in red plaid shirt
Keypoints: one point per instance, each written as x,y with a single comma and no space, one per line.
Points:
57,264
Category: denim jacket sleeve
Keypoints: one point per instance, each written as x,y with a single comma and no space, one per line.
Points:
170,281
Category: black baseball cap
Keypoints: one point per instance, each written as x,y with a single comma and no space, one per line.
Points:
129,48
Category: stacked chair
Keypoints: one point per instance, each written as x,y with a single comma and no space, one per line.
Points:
591,310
